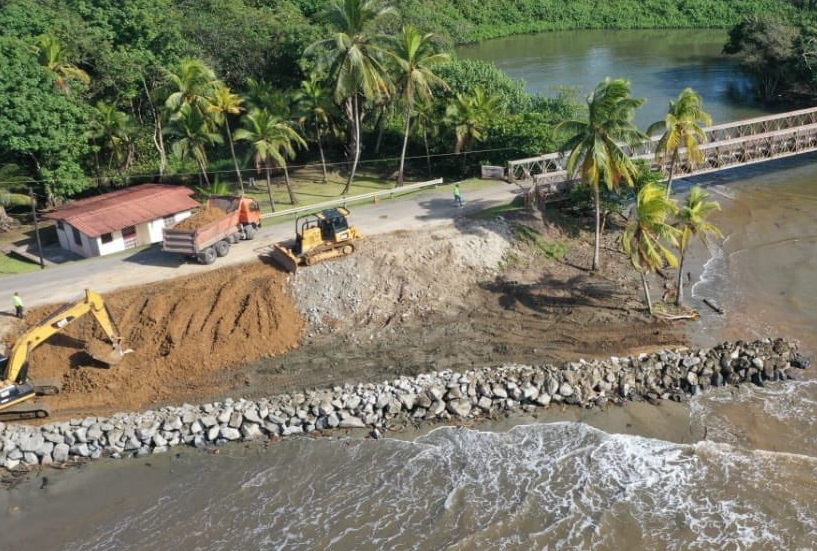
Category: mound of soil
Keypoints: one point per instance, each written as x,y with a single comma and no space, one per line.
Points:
410,302
188,335
201,218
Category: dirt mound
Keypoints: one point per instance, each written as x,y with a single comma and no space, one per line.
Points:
188,336
201,218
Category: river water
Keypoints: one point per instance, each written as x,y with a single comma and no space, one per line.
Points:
751,484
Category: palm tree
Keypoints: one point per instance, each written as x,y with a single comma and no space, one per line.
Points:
415,56
113,128
273,141
353,59
314,106
595,144
54,56
692,221
682,129
428,118
221,104
193,84
645,236
472,115
195,133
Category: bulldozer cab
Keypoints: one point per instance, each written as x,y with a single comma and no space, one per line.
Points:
327,226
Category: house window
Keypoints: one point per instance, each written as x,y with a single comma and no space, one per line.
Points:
107,237
129,236
77,237
170,220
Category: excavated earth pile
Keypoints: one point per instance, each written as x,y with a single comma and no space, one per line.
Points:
454,297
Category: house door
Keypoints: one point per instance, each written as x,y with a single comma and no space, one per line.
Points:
129,237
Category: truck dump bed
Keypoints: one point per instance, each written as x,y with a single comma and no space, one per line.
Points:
200,231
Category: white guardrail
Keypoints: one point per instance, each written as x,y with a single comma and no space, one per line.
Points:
342,201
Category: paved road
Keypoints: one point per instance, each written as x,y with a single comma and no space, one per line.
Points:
66,281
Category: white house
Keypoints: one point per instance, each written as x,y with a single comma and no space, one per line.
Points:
122,219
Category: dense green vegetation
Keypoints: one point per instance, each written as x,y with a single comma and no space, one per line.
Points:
97,94
475,20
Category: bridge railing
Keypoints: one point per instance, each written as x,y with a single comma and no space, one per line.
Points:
535,168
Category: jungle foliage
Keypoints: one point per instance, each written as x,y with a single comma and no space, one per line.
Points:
97,94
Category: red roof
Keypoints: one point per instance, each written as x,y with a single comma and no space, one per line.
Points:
113,211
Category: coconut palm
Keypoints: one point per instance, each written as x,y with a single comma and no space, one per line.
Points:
471,114
428,118
113,129
682,129
314,109
221,104
595,144
195,135
53,55
192,85
354,61
692,221
273,141
647,233
415,55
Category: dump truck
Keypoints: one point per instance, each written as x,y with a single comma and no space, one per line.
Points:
208,234
16,388
318,236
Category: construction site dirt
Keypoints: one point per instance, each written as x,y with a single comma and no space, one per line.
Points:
456,297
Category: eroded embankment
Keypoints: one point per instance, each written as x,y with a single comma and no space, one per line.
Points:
432,397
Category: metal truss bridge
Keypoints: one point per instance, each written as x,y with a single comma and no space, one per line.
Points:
728,145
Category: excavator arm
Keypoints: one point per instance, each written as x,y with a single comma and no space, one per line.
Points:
15,385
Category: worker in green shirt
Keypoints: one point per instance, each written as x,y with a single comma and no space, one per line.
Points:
18,304
457,195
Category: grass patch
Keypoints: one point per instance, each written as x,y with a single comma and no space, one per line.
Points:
550,249
10,265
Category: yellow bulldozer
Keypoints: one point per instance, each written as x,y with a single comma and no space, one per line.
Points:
318,236
16,388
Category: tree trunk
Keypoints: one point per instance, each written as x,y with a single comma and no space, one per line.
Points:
597,247
646,291
292,198
355,139
6,221
428,153
381,127
679,297
158,138
671,171
403,153
269,190
320,148
232,151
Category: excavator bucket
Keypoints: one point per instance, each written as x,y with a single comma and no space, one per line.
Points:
109,354
284,258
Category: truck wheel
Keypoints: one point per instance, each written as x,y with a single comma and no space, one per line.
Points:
207,256
249,231
222,247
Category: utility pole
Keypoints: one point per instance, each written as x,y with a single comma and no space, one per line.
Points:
36,226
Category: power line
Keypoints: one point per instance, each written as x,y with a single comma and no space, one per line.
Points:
291,167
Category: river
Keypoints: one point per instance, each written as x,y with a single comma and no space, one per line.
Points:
751,484
658,64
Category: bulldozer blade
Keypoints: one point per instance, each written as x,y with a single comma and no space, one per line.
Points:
284,258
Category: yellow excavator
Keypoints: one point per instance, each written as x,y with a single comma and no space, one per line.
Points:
318,236
16,388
